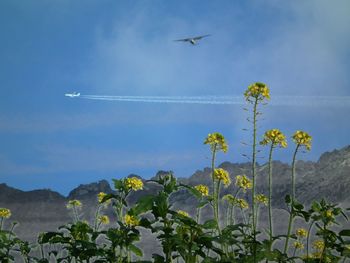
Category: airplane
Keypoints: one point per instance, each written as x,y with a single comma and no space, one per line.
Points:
192,40
72,95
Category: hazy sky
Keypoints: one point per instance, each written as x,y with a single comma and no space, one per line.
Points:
105,47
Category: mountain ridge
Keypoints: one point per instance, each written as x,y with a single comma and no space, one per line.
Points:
45,210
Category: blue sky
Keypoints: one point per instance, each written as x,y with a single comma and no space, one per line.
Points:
48,48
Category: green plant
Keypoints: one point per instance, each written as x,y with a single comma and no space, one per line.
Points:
191,240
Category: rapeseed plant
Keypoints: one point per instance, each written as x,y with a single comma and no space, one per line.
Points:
301,139
275,138
256,93
217,143
189,240
75,205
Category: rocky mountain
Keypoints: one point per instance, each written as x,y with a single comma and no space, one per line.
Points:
45,210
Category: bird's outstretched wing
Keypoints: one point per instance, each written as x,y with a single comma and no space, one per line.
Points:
184,39
200,37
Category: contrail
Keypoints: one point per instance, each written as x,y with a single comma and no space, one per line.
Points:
167,99
338,101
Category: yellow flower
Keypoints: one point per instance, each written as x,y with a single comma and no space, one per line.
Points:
258,90
260,198
131,220
275,137
318,245
316,254
100,197
183,213
222,175
329,213
301,232
5,213
238,202
243,182
241,203
203,189
73,203
230,198
303,139
217,142
104,219
134,183
298,245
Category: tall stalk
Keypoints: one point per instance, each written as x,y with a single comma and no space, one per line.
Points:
254,167
270,194
255,93
215,189
291,215
308,238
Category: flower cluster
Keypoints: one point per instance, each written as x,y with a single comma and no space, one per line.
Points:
183,213
100,197
216,141
222,175
329,213
275,137
298,245
260,198
203,189
131,220
5,213
230,199
243,182
258,91
301,232
302,138
241,203
103,219
318,245
134,183
73,203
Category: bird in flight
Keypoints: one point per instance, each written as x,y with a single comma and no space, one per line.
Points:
192,40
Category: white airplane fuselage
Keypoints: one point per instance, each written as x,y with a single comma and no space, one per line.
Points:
72,95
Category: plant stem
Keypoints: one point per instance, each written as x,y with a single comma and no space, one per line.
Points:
198,215
75,213
292,201
216,187
254,174
270,194
254,162
217,206
96,216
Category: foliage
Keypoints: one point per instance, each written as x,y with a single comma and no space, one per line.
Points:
186,239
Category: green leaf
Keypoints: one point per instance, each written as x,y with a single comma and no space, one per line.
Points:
345,232
344,215
46,237
118,184
202,203
160,208
158,259
315,206
143,205
210,224
136,250
288,199
192,190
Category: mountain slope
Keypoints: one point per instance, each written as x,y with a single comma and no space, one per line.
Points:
44,210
